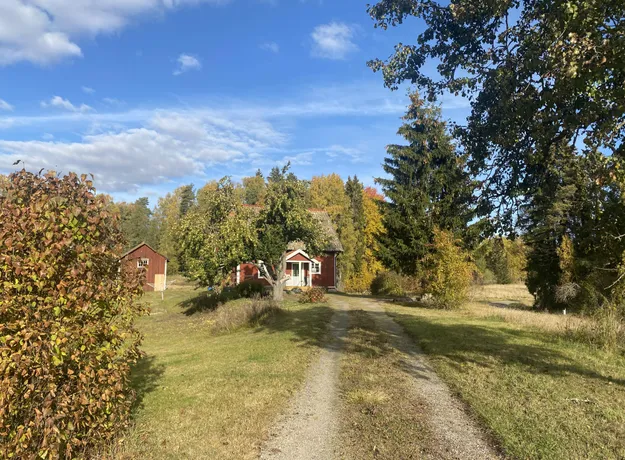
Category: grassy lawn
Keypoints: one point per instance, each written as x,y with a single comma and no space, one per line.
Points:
381,418
215,396
543,396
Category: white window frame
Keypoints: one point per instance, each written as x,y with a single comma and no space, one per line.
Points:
143,262
315,267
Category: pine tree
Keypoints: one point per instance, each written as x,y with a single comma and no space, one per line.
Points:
187,199
355,193
428,187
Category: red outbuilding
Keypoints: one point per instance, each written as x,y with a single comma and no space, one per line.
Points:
155,265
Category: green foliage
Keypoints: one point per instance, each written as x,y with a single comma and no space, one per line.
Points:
250,288
449,271
501,260
313,295
187,199
283,219
538,74
67,339
428,186
214,238
254,189
356,194
137,224
389,284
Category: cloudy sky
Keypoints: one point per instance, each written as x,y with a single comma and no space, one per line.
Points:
151,94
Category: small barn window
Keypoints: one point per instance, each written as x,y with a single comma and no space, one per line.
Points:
315,268
143,262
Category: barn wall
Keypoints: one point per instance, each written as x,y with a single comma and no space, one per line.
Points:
156,266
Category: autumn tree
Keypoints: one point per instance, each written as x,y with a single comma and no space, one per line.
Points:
328,193
67,311
427,187
283,220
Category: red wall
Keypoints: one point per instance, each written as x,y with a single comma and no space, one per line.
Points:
156,266
328,271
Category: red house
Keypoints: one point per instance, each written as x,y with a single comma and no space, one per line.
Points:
303,269
155,265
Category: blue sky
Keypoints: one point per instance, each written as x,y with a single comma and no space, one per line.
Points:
151,94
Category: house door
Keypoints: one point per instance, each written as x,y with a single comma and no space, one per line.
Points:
296,275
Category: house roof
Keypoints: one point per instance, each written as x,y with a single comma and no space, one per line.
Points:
325,223
127,253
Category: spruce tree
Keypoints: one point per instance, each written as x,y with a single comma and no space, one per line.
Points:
428,187
355,193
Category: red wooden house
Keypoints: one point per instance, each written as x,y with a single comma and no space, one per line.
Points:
303,269
155,265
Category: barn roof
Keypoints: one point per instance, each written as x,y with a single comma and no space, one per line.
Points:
127,253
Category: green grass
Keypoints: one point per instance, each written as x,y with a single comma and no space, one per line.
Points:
207,396
542,396
381,418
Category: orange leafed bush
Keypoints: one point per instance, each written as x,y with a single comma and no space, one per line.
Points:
66,319
314,295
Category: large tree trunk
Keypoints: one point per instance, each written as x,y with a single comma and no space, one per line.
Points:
278,287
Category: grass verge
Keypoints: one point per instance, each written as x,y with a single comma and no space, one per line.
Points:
381,420
541,395
207,396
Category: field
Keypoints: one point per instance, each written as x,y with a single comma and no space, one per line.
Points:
203,395
541,394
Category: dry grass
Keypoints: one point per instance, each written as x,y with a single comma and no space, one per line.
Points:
511,303
203,396
380,418
232,316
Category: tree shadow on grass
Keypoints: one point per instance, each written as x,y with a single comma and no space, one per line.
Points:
480,345
144,379
308,325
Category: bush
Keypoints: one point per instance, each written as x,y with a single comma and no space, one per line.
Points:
501,260
67,339
388,283
235,315
450,271
250,288
313,295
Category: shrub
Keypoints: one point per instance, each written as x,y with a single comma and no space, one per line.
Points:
313,295
67,338
388,283
450,271
501,260
235,315
250,288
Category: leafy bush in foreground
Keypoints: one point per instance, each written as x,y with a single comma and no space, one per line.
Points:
66,319
314,295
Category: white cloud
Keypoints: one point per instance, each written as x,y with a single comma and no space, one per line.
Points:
4,105
47,31
270,46
355,155
87,90
47,136
59,102
167,145
111,101
333,41
187,62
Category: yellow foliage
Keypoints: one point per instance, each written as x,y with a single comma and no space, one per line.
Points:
450,271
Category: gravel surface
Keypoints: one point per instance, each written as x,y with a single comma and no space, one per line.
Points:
309,428
458,436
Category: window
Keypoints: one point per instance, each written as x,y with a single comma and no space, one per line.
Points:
143,262
315,268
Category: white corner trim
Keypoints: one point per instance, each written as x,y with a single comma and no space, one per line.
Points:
299,251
